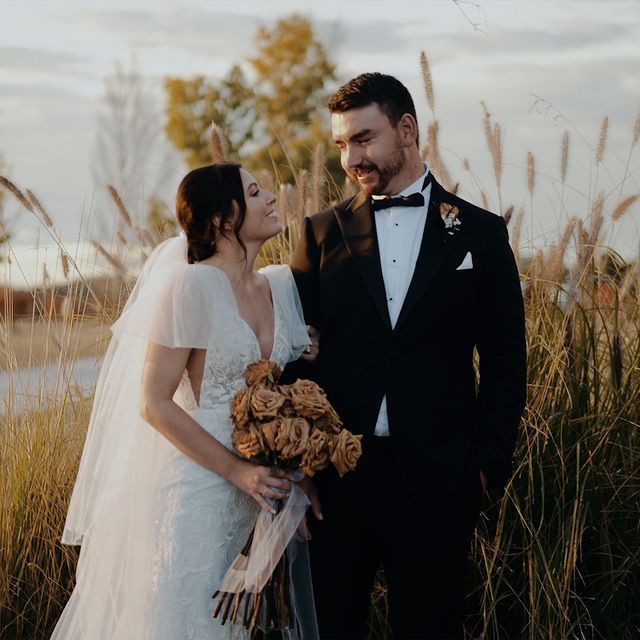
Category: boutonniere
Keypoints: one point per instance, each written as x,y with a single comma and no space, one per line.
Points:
449,214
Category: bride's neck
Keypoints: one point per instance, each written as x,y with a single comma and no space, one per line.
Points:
231,259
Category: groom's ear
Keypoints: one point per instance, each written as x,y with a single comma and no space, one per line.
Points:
407,127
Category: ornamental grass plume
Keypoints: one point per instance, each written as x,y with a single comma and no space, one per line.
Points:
493,136
110,258
5,183
122,210
426,82
217,144
636,131
317,177
602,139
302,184
41,210
531,176
623,207
564,156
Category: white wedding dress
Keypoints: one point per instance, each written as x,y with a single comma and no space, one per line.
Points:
158,531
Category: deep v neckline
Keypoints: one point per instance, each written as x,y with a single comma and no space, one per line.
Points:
274,313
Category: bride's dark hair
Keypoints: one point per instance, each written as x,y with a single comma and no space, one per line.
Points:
212,190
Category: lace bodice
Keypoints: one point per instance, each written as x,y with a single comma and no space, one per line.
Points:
230,352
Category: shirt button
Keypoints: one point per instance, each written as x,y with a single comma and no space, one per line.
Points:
394,260
396,224
390,299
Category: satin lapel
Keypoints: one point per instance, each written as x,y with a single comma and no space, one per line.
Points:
359,233
433,250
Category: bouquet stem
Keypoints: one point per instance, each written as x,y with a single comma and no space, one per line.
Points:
273,601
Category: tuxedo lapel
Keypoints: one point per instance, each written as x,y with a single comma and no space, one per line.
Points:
359,233
436,246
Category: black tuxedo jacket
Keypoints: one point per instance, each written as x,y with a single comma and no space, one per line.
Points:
443,423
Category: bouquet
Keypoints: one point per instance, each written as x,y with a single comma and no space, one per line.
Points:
292,428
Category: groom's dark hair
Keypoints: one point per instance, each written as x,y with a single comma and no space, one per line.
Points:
375,88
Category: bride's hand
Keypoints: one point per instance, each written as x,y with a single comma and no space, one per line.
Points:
260,483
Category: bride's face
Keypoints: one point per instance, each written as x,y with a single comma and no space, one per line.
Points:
261,222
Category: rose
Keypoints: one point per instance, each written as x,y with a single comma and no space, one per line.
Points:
270,432
247,442
329,422
265,402
449,214
347,448
292,437
240,408
308,399
261,372
287,408
317,455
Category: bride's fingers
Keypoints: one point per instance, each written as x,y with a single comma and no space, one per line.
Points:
279,473
275,494
263,503
281,485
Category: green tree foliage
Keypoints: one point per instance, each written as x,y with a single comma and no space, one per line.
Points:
273,123
194,103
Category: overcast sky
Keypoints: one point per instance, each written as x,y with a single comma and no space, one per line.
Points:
582,59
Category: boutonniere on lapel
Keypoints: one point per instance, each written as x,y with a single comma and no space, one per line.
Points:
449,214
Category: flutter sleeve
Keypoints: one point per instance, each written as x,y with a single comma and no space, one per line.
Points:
172,309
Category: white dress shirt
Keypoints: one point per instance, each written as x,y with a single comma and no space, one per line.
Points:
399,231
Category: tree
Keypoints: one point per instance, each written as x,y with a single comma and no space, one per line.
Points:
275,126
130,151
193,104
293,70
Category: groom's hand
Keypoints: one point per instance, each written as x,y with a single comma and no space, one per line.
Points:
308,487
311,352
484,480
306,484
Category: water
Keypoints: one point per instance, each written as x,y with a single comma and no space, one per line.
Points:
29,385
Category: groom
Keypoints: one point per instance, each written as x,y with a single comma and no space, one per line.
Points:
404,281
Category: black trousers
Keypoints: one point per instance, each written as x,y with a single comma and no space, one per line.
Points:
370,520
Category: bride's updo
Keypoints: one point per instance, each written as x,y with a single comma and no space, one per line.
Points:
214,190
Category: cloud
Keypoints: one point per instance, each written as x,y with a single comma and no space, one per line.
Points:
200,31
31,59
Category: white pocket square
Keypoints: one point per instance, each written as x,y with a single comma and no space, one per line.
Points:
467,263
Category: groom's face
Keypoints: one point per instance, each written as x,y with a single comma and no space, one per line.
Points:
371,149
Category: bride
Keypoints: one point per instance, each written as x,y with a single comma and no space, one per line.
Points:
161,504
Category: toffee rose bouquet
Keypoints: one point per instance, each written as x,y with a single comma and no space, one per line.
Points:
291,428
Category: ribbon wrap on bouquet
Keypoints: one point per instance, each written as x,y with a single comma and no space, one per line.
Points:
271,537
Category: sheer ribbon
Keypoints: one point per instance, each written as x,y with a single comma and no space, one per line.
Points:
271,536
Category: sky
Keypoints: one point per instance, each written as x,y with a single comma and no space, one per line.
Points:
540,67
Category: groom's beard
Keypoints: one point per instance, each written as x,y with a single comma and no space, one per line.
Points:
392,167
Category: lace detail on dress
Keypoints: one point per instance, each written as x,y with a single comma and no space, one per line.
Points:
202,523
225,365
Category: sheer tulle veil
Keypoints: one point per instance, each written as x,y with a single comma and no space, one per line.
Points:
111,508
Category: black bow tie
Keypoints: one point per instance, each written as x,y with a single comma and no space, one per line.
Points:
412,200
